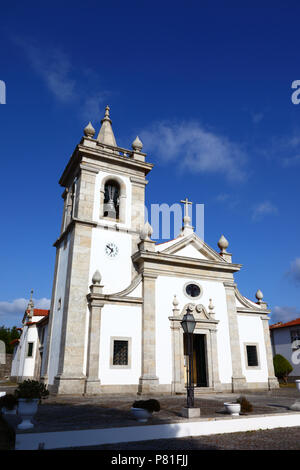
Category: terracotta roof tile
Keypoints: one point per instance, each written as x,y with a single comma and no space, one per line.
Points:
40,312
285,325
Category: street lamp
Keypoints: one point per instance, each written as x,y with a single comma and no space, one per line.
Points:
188,324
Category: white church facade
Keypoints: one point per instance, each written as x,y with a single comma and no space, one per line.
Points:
118,297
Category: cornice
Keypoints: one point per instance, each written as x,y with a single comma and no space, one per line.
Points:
103,155
143,257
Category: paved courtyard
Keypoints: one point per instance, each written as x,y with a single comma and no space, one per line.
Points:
77,412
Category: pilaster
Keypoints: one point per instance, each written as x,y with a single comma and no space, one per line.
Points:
272,380
92,386
148,382
238,379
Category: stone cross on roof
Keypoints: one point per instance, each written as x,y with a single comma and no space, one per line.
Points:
186,203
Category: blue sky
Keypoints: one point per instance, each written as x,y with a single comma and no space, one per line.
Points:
208,89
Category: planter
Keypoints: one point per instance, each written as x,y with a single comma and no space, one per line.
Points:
26,410
298,385
233,409
141,414
6,411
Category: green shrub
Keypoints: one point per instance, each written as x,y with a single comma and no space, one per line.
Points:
282,367
149,405
31,389
246,406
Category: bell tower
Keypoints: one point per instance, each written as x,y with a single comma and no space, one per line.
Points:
104,210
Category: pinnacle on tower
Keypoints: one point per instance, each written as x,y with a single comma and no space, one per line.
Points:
106,135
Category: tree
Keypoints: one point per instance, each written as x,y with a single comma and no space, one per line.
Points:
282,367
7,335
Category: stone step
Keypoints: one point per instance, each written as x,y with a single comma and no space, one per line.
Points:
202,390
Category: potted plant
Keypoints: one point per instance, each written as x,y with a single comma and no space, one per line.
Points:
233,409
142,409
8,404
29,393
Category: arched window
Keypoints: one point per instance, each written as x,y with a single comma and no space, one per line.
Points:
111,204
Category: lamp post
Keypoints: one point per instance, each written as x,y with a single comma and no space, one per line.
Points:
188,324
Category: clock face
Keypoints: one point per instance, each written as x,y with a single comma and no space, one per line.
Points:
111,249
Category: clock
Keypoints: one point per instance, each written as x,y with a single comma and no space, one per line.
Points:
111,249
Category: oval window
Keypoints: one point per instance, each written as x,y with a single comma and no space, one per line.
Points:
193,290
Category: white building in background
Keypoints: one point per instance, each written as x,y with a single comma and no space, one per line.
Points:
28,356
285,340
119,298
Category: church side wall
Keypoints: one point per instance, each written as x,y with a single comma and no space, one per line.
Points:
251,332
57,312
166,287
29,362
120,322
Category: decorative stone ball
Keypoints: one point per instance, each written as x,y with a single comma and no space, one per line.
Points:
96,277
175,302
259,295
137,144
223,244
89,131
146,232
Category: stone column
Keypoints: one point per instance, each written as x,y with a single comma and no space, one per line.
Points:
238,379
272,380
148,382
92,386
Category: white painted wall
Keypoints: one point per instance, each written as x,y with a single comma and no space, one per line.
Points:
251,331
282,345
121,321
166,287
191,252
58,314
115,272
29,362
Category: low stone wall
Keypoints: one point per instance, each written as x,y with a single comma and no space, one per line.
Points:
5,369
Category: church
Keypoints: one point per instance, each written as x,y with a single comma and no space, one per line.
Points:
118,297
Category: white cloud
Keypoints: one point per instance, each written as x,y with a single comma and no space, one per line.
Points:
294,271
11,313
63,80
262,209
291,161
257,117
195,149
284,314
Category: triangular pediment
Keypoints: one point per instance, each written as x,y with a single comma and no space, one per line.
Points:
193,247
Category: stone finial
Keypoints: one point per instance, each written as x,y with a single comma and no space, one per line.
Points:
223,244
30,306
211,307
106,135
89,131
96,277
259,295
175,302
146,232
175,307
137,144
